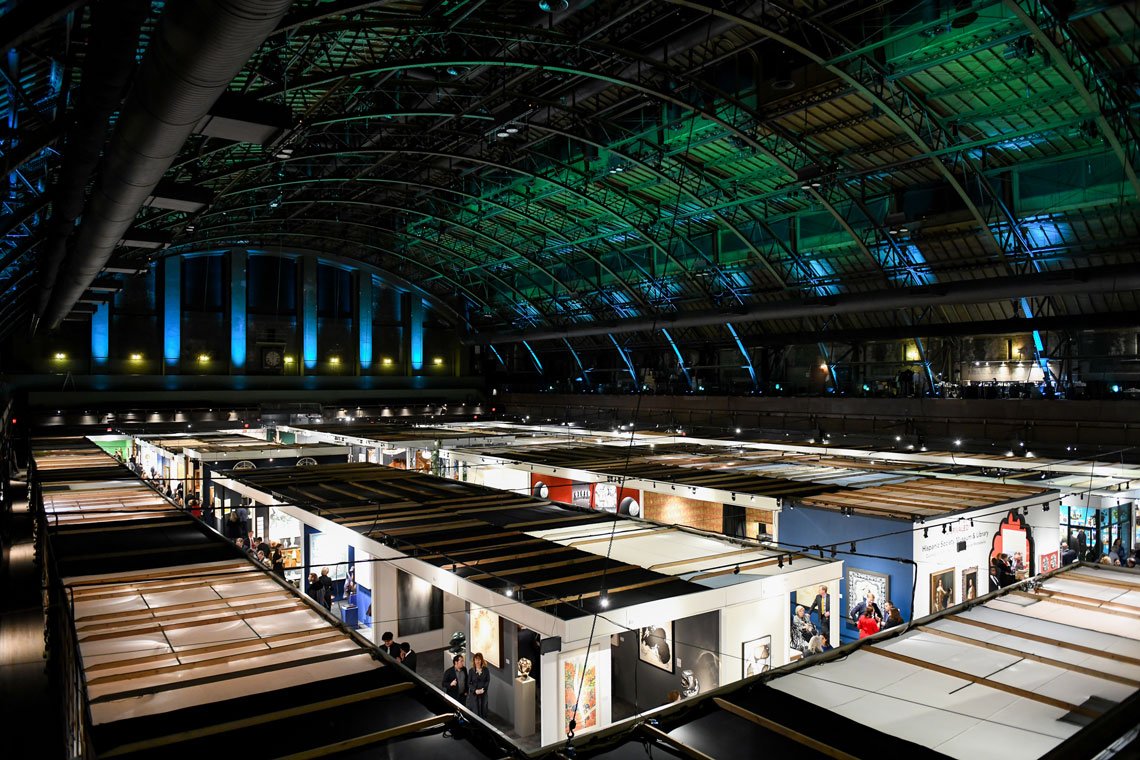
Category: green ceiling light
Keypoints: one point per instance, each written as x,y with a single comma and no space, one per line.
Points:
553,6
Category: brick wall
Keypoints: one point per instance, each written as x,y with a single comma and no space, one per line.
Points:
678,510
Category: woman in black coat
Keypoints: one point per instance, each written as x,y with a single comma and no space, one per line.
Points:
479,680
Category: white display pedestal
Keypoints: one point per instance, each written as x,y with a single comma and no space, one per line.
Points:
524,706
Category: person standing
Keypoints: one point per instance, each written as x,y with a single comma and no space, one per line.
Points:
868,603
822,605
407,656
479,682
389,645
327,588
868,626
315,590
455,680
243,521
278,561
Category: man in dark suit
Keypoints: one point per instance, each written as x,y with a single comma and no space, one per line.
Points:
822,605
868,601
389,645
407,656
455,680
1068,556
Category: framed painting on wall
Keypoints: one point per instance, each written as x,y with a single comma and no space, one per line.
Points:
969,584
655,646
756,656
579,690
861,584
942,590
419,605
485,634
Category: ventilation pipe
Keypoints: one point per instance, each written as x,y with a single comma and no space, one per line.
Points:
110,60
199,47
1100,280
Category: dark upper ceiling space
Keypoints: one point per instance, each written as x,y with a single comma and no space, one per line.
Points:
551,174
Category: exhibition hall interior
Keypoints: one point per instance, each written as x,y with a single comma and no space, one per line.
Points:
570,379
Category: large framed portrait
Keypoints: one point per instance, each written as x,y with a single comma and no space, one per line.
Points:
969,584
756,656
861,583
655,646
942,587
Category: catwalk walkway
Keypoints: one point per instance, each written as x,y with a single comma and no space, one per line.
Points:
25,700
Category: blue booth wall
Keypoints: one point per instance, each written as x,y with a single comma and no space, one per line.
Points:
804,526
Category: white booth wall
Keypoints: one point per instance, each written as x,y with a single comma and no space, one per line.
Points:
938,551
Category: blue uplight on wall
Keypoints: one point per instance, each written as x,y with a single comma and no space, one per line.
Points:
309,314
364,317
101,335
237,311
416,331
172,311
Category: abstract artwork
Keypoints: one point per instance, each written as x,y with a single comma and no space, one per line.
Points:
655,646
580,690
756,656
942,590
860,583
485,634
419,605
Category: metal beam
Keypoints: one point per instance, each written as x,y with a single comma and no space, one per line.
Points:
1065,282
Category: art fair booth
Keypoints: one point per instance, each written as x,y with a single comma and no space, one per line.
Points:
924,544
614,616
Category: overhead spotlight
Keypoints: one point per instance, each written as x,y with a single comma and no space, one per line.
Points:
780,562
1046,508
852,547
944,529
736,570
510,591
833,551
604,601
957,441
738,431
452,71
926,532
553,6
898,437
503,133
971,522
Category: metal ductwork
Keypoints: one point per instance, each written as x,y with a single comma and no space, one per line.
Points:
199,47
1101,280
110,60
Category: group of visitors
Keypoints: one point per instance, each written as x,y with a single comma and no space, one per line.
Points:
266,554
870,618
1079,549
1004,570
400,651
468,686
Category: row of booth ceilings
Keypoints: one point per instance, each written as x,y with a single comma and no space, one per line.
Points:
553,174
176,658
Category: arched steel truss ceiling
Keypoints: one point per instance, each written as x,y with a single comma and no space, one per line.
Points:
386,231
444,221
200,247
782,148
582,196
244,240
629,289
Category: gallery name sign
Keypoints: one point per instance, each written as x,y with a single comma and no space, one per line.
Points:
941,546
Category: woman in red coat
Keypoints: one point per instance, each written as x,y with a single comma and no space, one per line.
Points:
868,626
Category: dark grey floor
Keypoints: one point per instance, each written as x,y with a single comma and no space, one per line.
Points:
25,698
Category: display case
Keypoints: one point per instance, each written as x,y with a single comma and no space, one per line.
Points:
1097,529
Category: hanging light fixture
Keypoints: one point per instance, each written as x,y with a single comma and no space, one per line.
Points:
553,6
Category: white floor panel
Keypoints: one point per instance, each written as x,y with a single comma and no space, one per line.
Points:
1036,717
949,654
952,694
989,740
231,630
906,720
300,619
870,672
252,683
138,642
1077,687
817,691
